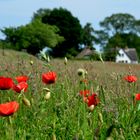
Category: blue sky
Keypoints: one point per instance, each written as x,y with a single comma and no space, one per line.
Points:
19,12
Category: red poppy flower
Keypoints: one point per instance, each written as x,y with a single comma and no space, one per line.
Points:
1,77
84,92
85,99
8,108
20,86
22,78
130,78
6,83
92,100
49,77
137,96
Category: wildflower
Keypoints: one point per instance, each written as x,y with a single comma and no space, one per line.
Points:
84,92
137,96
81,72
20,87
49,77
130,78
6,83
92,100
8,108
22,78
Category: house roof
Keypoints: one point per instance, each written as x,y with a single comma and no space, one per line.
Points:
131,53
85,52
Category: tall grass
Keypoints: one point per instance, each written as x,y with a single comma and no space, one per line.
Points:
65,116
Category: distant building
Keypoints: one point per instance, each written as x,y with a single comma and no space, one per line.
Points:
86,53
127,55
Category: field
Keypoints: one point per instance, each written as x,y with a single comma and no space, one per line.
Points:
66,115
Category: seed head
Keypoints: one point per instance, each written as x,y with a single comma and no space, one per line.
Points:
81,72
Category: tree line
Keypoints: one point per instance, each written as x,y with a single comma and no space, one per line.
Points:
59,30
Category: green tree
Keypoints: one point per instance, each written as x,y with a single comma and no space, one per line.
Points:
101,38
117,31
11,37
69,27
87,36
33,37
119,23
40,14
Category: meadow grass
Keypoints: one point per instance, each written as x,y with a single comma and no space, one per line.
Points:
65,116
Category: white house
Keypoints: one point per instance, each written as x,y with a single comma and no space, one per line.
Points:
127,55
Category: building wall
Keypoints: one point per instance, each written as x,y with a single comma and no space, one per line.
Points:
134,62
122,57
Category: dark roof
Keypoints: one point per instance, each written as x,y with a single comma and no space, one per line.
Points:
85,52
131,53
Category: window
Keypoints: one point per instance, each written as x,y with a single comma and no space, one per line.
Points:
121,54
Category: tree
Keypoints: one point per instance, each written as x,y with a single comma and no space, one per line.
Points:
40,14
87,36
69,27
101,37
119,23
118,31
33,37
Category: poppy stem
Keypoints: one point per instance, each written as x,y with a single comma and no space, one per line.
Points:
10,120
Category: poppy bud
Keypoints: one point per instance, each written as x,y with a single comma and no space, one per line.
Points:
31,62
100,117
91,108
65,61
26,102
48,95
